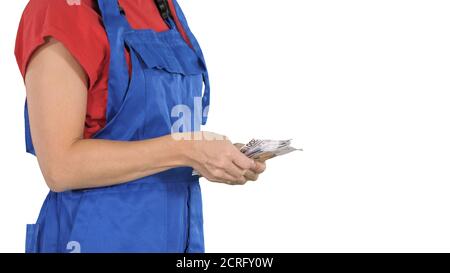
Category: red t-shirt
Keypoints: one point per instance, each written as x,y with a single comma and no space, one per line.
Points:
78,25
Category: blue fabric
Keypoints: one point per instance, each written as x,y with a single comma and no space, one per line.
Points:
158,213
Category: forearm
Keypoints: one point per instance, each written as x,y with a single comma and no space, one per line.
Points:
91,163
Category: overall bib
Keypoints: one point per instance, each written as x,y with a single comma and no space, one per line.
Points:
158,213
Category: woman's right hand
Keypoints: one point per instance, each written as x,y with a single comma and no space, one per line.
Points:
218,160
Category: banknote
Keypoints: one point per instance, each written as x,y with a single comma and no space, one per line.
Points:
266,149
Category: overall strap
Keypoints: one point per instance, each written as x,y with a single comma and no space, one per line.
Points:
115,25
198,51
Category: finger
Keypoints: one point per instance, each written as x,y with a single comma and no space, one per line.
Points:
233,170
232,180
252,176
259,168
224,177
242,161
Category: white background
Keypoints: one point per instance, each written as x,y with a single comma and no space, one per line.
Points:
363,86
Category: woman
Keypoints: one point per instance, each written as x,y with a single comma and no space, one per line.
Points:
114,102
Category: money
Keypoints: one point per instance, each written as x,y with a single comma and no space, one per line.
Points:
263,150
266,149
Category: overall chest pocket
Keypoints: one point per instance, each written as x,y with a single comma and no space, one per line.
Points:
173,80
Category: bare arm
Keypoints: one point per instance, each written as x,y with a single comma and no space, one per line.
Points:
57,96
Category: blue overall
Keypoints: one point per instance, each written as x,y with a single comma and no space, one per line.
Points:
158,213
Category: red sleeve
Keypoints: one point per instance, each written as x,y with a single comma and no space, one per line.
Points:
78,27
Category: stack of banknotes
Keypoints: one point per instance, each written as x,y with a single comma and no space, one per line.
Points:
263,150
266,149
